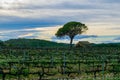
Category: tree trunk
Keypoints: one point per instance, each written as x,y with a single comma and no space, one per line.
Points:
3,76
71,40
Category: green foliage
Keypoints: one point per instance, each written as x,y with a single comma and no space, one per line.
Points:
32,43
71,29
1,44
61,63
107,45
26,72
35,43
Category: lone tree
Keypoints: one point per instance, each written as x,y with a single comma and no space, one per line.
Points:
71,29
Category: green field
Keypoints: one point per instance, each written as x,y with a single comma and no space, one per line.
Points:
98,62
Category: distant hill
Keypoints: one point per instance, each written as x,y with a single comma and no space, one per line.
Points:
107,45
32,43
2,44
36,43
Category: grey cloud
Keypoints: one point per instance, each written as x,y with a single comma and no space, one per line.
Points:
118,38
16,33
59,4
110,1
52,12
116,28
41,13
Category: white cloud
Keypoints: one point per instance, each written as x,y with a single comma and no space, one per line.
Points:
48,33
88,11
26,35
38,33
99,15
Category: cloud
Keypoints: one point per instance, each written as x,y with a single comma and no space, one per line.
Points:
118,38
110,1
101,16
37,33
23,33
48,33
43,4
115,28
17,13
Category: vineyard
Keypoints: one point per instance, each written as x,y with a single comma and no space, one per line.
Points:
60,63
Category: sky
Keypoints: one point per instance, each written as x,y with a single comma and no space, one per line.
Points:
40,19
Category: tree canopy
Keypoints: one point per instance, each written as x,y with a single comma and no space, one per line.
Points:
71,29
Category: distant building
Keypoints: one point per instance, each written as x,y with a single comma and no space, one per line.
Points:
83,44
